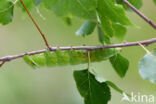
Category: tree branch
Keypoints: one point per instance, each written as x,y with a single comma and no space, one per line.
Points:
140,14
89,48
128,44
43,36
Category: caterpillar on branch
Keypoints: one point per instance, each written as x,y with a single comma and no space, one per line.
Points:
68,57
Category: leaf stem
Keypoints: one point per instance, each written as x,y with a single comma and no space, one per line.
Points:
37,26
88,52
140,14
146,50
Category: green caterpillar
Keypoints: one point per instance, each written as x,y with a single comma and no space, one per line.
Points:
68,57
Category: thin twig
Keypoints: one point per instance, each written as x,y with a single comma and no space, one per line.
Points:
128,44
43,36
140,14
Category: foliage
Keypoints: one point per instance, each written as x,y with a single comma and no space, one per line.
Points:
87,28
136,3
109,16
120,64
6,12
154,1
90,89
147,67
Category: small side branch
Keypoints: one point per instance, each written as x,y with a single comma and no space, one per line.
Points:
140,14
89,48
43,36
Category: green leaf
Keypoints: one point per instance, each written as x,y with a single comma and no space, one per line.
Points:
116,88
28,3
106,25
120,64
29,61
147,67
112,17
135,3
37,2
87,28
67,20
120,31
102,37
51,58
6,12
115,13
112,29
111,84
80,8
90,89
154,1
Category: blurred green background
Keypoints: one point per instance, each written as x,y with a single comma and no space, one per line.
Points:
19,84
